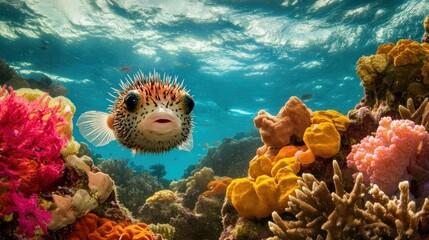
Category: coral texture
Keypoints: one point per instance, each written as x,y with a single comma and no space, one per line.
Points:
323,137
217,187
268,187
320,214
92,227
69,207
399,146
30,160
394,74
66,109
278,131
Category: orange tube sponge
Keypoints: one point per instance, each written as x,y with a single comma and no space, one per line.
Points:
259,197
306,157
217,187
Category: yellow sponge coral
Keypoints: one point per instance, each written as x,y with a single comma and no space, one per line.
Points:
339,120
258,198
323,139
68,109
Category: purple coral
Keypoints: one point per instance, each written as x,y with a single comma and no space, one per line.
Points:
30,159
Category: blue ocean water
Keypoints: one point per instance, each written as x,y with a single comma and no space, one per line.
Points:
236,57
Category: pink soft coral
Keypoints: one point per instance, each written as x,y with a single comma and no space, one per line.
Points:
30,215
30,160
392,154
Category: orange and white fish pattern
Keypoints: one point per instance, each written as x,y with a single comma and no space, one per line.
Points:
149,115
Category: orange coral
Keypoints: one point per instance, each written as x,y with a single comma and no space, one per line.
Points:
92,227
277,131
217,187
302,153
111,230
407,52
385,48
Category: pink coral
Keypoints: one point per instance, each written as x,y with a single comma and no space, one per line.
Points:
30,216
30,159
392,155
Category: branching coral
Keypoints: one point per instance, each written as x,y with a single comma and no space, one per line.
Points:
30,160
419,115
320,214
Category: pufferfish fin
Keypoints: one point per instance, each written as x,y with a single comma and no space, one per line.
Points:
188,144
93,126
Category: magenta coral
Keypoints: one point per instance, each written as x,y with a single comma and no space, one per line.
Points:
30,160
387,158
30,216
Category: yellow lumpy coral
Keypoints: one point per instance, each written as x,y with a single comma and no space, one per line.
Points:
322,137
371,68
67,110
258,197
163,196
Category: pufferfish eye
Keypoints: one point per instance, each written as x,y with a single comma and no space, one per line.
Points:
188,103
132,100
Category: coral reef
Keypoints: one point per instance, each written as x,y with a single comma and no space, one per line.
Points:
398,145
9,77
184,205
165,230
425,38
359,214
92,227
68,208
67,109
217,187
391,72
323,137
230,158
133,187
30,160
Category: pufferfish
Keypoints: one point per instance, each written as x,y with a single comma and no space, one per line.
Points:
149,115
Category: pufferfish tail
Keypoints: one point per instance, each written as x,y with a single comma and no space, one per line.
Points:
94,128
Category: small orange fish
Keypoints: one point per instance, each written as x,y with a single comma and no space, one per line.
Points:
149,115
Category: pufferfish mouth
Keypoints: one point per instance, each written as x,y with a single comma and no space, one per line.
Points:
161,122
